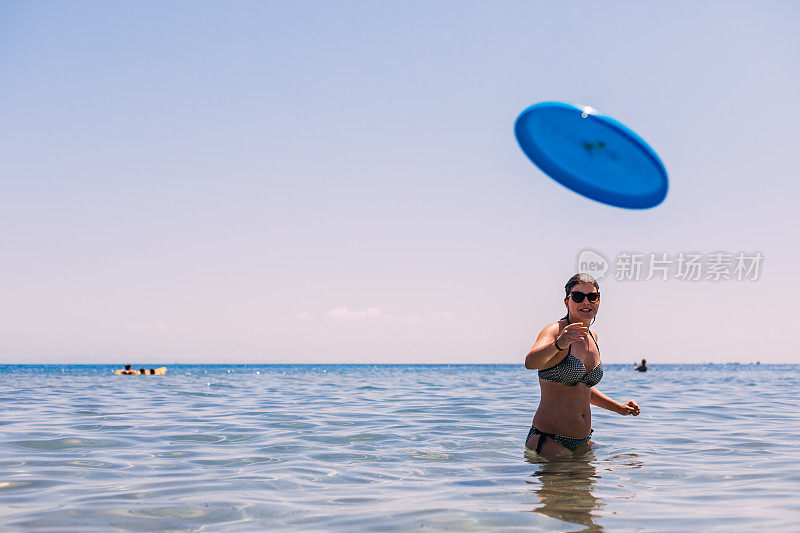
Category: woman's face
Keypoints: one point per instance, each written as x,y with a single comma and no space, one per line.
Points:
584,310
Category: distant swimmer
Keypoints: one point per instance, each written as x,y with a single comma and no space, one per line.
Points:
567,356
642,367
128,371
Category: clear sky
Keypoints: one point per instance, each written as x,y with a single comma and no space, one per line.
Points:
339,181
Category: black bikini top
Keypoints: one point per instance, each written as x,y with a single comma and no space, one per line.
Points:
570,370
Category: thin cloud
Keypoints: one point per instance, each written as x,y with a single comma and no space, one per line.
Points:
305,316
343,313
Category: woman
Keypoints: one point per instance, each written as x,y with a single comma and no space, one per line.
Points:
562,353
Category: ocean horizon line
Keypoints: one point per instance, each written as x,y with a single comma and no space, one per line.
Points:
177,363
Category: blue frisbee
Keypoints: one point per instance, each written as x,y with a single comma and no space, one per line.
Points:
592,154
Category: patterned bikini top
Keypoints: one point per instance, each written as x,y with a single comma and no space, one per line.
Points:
570,370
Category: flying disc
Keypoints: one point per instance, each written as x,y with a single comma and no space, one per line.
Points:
592,154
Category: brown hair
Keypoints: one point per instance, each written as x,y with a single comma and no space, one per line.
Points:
577,279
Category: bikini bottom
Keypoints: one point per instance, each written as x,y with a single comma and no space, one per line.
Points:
570,443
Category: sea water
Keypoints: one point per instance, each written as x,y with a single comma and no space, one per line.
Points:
392,448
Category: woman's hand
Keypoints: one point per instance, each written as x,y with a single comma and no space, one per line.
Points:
630,408
572,333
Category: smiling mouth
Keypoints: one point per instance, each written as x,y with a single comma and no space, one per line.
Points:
586,309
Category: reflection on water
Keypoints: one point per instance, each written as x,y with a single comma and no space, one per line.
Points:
564,488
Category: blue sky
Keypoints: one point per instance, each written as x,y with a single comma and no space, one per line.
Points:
339,181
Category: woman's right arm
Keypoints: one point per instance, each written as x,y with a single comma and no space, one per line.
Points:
544,349
551,342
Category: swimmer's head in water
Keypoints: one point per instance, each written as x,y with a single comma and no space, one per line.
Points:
581,306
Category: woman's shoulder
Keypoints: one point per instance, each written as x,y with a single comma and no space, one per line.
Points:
555,327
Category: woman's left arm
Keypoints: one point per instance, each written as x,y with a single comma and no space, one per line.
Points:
601,400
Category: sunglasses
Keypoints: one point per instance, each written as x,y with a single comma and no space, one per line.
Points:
578,296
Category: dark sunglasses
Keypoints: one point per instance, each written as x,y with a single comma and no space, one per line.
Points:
578,296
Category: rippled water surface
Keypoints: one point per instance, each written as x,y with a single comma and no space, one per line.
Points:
360,447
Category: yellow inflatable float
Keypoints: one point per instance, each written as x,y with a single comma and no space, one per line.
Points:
160,371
